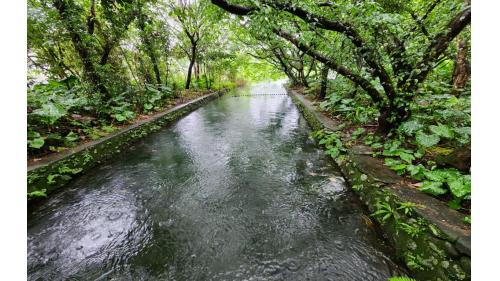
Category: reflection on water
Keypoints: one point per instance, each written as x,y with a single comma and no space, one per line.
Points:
233,191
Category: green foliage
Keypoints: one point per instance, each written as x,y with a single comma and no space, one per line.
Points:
49,113
468,220
358,132
34,140
458,184
439,122
66,170
395,165
414,261
404,154
412,231
410,127
37,194
51,178
442,131
433,187
385,212
425,140
416,171
406,207
122,115
356,110
71,138
331,141
398,278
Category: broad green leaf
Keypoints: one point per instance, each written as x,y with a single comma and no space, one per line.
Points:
410,127
36,143
398,167
51,177
50,112
54,136
407,157
416,171
108,128
464,131
442,175
427,140
442,131
128,114
37,193
72,137
120,118
395,165
460,187
391,162
334,152
433,187
33,134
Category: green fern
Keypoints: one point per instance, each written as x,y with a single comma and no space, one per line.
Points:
398,278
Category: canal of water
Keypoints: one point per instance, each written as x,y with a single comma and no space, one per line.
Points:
235,190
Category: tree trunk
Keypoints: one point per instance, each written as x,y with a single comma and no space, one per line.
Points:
461,72
145,71
324,82
83,52
197,71
384,125
149,48
167,70
303,79
301,73
156,69
207,83
128,65
191,64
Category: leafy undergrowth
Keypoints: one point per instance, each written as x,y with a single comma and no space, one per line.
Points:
431,149
61,116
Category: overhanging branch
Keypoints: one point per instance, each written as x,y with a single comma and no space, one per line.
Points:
439,44
362,82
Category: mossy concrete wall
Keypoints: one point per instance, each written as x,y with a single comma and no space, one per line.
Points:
58,169
431,239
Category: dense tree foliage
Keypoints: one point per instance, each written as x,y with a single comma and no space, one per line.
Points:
389,50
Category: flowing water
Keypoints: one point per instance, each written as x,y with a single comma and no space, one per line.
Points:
233,191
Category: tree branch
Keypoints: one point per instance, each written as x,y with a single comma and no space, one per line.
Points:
234,9
367,53
439,44
362,82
